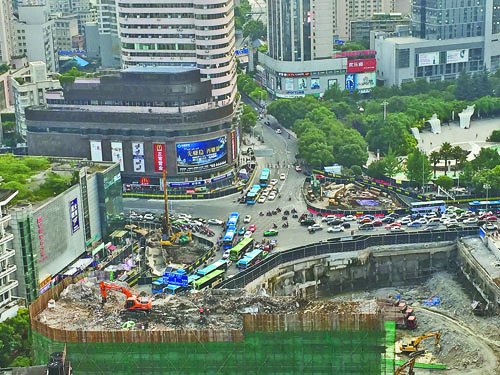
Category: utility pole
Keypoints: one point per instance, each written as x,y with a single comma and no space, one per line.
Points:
487,187
168,228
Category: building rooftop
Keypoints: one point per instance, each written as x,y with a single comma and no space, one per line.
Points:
159,69
38,178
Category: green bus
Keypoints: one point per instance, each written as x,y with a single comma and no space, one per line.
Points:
210,280
246,244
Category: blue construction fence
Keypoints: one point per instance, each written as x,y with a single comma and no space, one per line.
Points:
340,245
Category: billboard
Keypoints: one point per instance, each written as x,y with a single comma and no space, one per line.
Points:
233,144
361,65
73,215
315,84
365,81
138,157
159,156
288,84
301,83
117,153
332,83
350,82
201,155
457,56
428,59
95,150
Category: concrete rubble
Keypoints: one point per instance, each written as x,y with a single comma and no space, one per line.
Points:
79,307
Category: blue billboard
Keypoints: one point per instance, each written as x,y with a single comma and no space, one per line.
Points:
201,155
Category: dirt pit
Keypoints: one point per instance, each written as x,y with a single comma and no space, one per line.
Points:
469,344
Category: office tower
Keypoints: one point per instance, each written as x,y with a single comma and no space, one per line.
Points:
6,31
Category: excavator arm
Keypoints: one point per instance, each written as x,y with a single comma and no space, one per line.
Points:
105,287
133,303
413,345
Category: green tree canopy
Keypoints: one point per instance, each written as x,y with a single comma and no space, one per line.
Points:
445,182
254,29
418,167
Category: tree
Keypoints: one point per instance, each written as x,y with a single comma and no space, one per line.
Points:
15,344
445,182
392,133
434,158
494,137
488,158
392,165
255,29
446,152
356,170
248,118
376,169
351,155
418,167
490,177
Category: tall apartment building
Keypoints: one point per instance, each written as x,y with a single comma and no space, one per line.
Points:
29,85
65,29
107,42
6,31
8,306
34,35
197,33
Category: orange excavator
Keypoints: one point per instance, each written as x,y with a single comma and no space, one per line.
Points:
133,302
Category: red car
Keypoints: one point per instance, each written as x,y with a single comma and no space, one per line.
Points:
252,228
491,218
377,223
393,225
365,220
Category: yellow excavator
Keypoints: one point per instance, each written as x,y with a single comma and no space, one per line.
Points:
412,346
410,364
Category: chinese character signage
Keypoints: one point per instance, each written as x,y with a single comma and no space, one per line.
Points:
73,215
361,65
95,150
117,153
202,155
41,239
138,157
159,157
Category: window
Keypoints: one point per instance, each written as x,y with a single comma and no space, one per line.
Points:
403,58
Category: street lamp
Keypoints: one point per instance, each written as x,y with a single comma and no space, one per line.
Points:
384,103
487,187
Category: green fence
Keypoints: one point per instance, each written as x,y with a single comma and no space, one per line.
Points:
306,352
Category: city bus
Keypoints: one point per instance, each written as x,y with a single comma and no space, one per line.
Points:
229,238
264,177
493,206
210,280
241,248
233,219
218,265
250,259
253,194
430,206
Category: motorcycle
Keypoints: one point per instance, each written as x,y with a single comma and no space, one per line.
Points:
275,212
261,213
286,212
269,213
295,216
294,211
275,226
284,225
289,198
278,209
284,218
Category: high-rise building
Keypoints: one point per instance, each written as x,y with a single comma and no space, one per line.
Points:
197,33
6,31
8,306
34,31
448,19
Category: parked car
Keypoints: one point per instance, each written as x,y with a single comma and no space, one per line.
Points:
377,223
298,168
388,220
397,229
308,221
271,196
148,217
337,228
314,227
252,228
262,199
270,233
241,231
329,217
364,220
349,218
491,218
278,131
345,225
273,182
334,222
282,176
392,225
247,219
453,226
490,226
415,224
248,234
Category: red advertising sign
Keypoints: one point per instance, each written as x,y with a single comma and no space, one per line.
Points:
233,144
159,157
361,65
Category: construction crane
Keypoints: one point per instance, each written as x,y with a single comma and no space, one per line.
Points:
133,302
412,346
410,364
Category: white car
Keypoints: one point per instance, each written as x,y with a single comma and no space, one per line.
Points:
430,215
247,219
349,218
421,221
329,217
248,234
262,199
282,176
490,226
405,221
397,229
337,228
273,182
215,222
184,217
314,227
470,220
271,197
226,254
148,217
278,131
450,221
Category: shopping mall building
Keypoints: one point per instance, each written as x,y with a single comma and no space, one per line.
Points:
145,118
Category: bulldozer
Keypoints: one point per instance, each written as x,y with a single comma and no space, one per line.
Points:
412,346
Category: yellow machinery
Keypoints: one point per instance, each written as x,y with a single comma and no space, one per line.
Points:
179,238
400,370
412,346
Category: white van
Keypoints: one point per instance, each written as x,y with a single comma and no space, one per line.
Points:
434,222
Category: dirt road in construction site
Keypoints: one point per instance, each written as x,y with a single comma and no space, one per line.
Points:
469,345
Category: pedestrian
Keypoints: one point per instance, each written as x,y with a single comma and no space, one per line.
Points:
476,135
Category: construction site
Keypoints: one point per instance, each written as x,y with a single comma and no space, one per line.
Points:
349,196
